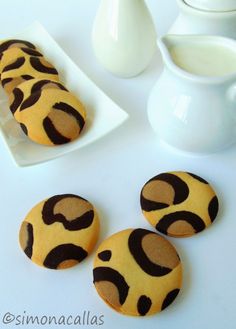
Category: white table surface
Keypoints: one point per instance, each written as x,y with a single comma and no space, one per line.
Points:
110,173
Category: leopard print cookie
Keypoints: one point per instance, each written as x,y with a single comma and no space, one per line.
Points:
29,87
51,117
137,272
59,232
179,204
12,54
26,68
15,43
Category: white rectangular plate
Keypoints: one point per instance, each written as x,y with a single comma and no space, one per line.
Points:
103,115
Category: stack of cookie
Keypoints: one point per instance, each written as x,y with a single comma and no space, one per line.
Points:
47,112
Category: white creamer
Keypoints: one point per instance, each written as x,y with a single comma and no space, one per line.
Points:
195,112
204,59
124,36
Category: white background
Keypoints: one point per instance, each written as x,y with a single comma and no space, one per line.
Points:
110,173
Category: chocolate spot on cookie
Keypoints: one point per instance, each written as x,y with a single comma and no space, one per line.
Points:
65,124
200,179
54,136
16,99
162,191
169,298
105,255
27,238
15,65
24,128
31,52
213,208
26,76
62,128
144,304
62,253
192,219
30,101
6,81
46,84
71,111
42,65
101,274
74,212
15,43
140,256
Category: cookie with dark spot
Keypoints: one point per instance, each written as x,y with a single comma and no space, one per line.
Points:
52,116
137,272
15,43
179,204
12,54
35,67
59,232
23,91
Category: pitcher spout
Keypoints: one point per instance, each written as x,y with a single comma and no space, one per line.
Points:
165,44
168,44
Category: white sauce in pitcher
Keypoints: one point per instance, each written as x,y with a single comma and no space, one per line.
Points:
205,59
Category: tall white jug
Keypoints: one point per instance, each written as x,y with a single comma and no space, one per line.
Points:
124,36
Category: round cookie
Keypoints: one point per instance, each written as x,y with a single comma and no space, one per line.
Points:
51,117
26,68
11,55
15,43
29,87
59,232
179,204
137,272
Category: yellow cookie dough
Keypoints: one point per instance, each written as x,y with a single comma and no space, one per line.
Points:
59,232
137,272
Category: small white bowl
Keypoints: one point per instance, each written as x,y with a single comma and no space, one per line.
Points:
213,5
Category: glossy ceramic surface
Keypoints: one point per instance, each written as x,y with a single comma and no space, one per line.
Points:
193,113
213,5
124,37
197,21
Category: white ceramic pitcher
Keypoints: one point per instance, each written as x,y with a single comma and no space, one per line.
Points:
124,36
193,20
190,111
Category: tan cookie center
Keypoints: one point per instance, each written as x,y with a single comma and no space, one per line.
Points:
160,251
159,191
182,227
72,208
64,123
109,292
